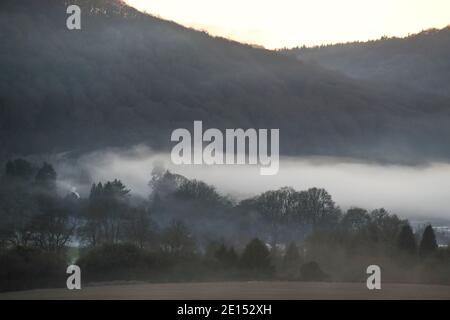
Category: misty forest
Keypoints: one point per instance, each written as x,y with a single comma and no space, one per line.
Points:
185,231
129,78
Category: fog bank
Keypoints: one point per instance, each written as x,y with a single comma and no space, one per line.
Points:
409,191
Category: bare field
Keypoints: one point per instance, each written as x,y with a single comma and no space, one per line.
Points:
238,290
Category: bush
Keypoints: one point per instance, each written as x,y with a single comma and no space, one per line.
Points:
115,262
27,268
311,271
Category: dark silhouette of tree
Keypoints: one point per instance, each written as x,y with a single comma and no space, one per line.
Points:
176,239
20,169
198,190
318,208
406,240
384,227
164,183
355,219
292,255
50,229
46,178
227,257
108,207
140,228
256,257
276,208
428,244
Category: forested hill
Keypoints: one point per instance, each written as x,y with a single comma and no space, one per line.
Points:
420,61
129,78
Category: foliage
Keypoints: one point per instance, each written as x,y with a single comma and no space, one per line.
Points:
256,258
428,243
406,240
25,268
311,271
187,231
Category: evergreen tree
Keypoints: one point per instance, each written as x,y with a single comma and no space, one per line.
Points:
428,244
256,256
406,240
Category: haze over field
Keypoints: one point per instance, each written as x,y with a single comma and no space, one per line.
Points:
410,191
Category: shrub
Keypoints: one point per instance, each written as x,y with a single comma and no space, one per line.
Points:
116,262
26,268
311,271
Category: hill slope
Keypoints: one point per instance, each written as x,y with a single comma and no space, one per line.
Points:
129,78
419,62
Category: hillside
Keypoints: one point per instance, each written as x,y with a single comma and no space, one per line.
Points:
129,78
419,62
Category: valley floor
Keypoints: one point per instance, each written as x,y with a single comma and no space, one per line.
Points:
276,290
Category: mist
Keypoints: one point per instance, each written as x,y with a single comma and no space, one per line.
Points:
409,191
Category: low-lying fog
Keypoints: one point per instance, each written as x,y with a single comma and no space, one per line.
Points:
416,191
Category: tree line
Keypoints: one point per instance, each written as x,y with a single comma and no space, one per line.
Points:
186,230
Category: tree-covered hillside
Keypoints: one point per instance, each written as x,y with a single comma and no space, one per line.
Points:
419,62
129,78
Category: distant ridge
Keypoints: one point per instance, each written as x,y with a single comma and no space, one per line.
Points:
419,62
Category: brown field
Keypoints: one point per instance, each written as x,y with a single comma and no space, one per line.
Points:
238,290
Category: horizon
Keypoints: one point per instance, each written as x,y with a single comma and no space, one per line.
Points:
272,26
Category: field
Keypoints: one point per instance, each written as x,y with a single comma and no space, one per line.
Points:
238,290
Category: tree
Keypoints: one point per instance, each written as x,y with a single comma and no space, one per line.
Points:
256,257
227,257
292,255
19,169
276,209
317,208
198,191
428,244
139,227
176,239
46,178
355,219
51,229
164,183
17,203
406,240
108,208
384,227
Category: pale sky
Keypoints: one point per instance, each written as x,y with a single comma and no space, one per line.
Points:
290,23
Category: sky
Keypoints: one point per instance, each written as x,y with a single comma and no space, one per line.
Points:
290,23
